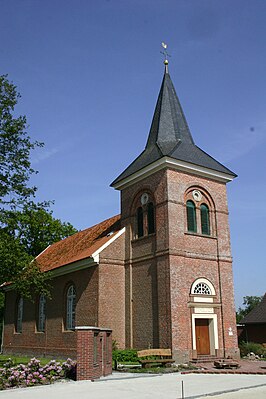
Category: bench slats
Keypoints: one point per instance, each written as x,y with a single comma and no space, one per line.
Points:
154,352
156,361
161,356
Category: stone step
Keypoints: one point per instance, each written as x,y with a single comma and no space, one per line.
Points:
204,359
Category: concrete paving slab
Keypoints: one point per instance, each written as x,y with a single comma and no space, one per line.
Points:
132,386
258,393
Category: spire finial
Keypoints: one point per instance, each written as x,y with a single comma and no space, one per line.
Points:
166,55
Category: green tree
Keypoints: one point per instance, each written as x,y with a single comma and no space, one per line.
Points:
34,228
249,302
15,149
24,235
26,228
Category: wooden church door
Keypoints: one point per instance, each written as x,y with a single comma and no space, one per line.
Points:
202,336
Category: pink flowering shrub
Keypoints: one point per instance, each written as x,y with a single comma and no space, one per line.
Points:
24,375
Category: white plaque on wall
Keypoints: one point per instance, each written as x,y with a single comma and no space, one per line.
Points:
203,310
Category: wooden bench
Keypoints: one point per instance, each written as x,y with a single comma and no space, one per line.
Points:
226,364
160,356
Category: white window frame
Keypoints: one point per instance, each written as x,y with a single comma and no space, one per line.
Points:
202,281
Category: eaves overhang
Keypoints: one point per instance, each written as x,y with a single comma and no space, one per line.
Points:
168,162
92,260
73,267
63,270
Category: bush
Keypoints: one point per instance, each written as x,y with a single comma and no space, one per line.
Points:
248,347
24,375
124,356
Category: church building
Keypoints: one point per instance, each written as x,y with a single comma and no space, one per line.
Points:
160,274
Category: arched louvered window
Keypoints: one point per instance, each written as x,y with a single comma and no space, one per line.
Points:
191,217
205,219
70,308
151,221
19,315
41,314
140,225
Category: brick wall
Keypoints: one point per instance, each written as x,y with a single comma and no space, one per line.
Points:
161,268
94,352
100,299
112,290
55,341
147,270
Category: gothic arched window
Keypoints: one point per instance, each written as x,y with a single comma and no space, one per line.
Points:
151,221
205,219
140,224
70,308
19,315
191,217
41,314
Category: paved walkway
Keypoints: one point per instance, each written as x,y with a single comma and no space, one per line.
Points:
132,386
246,367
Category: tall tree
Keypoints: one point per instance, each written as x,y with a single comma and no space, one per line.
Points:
26,228
34,228
15,149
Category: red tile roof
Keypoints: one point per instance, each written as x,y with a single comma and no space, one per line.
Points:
78,246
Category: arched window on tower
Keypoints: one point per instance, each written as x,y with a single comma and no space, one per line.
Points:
150,215
70,308
205,219
191,217
140,225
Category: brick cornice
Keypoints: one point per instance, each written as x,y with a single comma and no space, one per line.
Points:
113,262
180,253
204,304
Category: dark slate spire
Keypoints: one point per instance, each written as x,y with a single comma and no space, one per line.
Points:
169,125
170,136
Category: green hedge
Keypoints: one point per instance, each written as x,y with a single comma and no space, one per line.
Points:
124,356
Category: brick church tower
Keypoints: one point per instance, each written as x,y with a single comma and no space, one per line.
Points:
178,265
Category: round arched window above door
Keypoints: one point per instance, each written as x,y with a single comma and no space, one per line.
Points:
202,286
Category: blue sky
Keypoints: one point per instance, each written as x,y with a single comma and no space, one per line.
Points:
89,72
